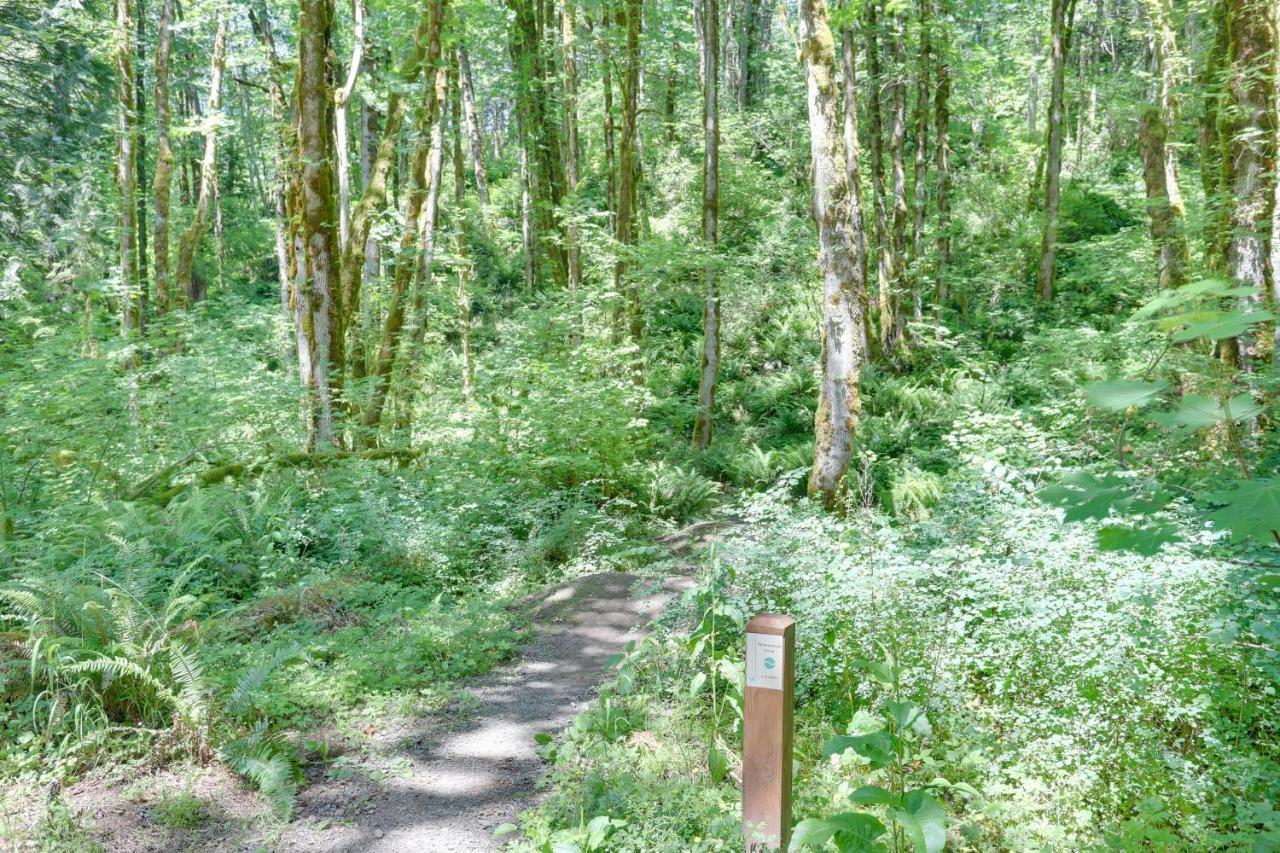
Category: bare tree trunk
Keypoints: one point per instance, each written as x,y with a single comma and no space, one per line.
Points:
341,99
185,279
920,167
461,247
729,66
359,324
319,295
161,186
475,137
126,166
1212,168
703,424
1063,17
843,341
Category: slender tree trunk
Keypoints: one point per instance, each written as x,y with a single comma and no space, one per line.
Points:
1063,17
1212,169
843,342
185,279
341,99
260,21
475,136
461,247
729,66
704,422
420,212
426,53
140,153
920,166
320,295
162,184
884,249
849,68
1159,161
901,210
942,143
610,129
569,50
541,132
624,227
126,166
359,325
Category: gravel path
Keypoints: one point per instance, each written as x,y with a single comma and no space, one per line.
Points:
454,786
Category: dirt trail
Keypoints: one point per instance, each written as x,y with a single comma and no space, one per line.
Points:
448,779
463,781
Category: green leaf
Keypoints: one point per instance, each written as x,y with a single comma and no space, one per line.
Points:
695,684
857,832
504,829
1209,288
873,795
811,832
1217,325
923,821
1145,540
876,747
1122,394
1198,412
1250,510
1085,496
718,764
910,716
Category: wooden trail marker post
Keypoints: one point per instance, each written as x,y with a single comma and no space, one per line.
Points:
767,732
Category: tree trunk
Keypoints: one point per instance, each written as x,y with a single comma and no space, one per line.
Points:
704,422
161,186
1063,17
920,167
358,327
843,342
901,210
140,170
569,49
185,279
461,248
319,295
542,135
1212,168
475,137
1247,156
341,100
624,225
849,68
261,23
420,211
426,53
1159,161
884,249
126,166
942,143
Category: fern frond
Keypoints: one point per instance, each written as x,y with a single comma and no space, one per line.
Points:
250,683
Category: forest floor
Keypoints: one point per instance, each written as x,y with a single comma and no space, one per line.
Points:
443,782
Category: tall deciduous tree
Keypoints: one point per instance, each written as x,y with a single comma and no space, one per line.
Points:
857,219
161,185
475,137
843,344
569,58
1243,131
710,368
319,294
126,165
184,273
1159,159
1062,19
341,100
624,231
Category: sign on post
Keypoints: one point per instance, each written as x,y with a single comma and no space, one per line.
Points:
767,731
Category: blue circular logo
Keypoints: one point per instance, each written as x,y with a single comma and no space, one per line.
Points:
770,663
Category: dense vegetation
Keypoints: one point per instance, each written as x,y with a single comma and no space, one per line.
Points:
329,332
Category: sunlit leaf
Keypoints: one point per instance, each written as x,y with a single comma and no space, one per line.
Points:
1122,394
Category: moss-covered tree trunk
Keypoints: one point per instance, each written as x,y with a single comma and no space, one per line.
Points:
126,166
1062,17
843,342
1159,160
162,183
